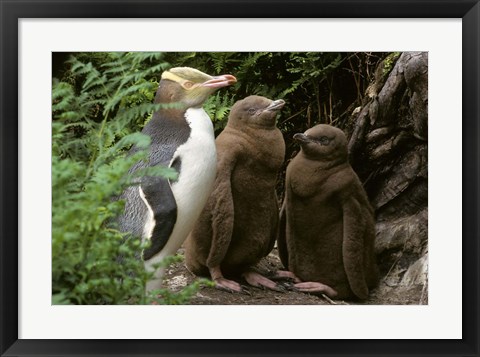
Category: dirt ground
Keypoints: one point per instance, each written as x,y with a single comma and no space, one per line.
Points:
178,277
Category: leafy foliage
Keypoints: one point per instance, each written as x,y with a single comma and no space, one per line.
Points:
98,109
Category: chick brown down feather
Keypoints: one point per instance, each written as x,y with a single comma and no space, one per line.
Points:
239,223
327,224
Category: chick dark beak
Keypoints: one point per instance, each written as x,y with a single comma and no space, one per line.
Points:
301,138
276,105
220,81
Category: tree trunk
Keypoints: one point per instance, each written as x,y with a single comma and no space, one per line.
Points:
388,148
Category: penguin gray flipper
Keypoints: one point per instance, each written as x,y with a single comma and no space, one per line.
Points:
282,236
159,197
353,248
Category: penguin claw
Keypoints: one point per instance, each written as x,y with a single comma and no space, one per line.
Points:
246,290
288,286
280,288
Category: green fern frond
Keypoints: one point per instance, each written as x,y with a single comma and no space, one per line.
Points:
138,112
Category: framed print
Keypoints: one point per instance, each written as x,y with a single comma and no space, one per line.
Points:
299,42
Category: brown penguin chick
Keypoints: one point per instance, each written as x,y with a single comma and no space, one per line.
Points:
327,233
239,223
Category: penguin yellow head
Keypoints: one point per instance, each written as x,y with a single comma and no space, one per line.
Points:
189,86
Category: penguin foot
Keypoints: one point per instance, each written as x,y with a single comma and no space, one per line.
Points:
227,285
259,281
314,287
222,283
284,275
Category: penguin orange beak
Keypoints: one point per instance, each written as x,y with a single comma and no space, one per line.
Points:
220,81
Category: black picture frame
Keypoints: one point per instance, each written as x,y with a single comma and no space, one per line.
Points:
12,11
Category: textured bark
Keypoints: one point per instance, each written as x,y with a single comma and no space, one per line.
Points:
388,148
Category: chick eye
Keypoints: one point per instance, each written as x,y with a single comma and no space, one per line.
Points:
324,140
188,84
251,111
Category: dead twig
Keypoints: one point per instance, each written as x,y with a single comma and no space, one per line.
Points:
191,273
331,302
293,116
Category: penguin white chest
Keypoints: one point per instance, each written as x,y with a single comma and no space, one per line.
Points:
198,157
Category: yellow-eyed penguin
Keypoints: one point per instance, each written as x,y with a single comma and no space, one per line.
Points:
327,230
182,137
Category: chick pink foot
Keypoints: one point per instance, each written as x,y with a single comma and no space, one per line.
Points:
223,284
227,285
285,275
255,279
314,287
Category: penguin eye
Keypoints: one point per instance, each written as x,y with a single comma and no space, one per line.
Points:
188,85
324,140
251,111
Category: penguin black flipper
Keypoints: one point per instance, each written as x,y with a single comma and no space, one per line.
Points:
353,247
159,197
282,236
